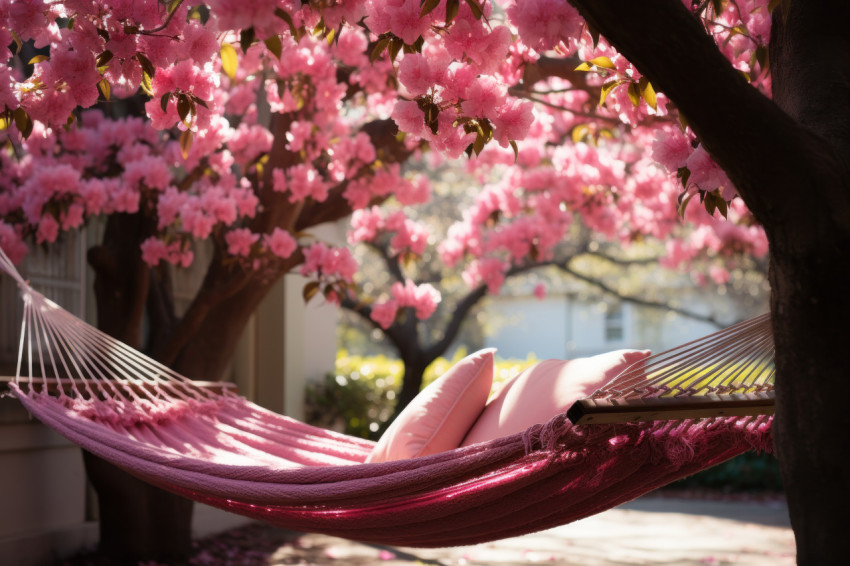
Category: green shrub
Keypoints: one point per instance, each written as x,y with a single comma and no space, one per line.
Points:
749,472
359,398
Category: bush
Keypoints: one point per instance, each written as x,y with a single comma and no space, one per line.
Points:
359,398
749,472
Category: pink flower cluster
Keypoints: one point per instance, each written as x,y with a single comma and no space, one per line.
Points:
329,263
155,250
423,299
368,224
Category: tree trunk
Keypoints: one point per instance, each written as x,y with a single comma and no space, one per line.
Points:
411,384
811,310
137,521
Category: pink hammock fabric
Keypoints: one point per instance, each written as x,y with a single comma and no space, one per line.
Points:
228,452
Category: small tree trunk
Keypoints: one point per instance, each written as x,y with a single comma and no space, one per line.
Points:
411,384
138,522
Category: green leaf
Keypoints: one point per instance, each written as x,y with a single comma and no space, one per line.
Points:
718,6
634,94
648,93
579,132
515,148
105,88
763,57
478,144
185,107
395,46
147,66
603,62
186,139
284,15
607,88
274,45
23,122
229,60
38,59
146,86
428,6
722,206
246,39
379,48
684,205
477,11
309,291
103,58
452,7
684,174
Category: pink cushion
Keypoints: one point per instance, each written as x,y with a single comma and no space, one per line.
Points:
545,390
441,415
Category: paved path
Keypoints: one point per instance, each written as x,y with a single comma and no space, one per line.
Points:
649,531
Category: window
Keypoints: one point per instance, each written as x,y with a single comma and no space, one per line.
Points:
614,327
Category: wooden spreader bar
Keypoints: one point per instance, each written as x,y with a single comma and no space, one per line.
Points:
53,385
623,410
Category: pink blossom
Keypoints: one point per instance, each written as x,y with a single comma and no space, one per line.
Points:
11,243
48,229
513,121
365,224
422,298
707,174
329,262
542,24
488,271
384,313
280,243
484,97
415,74
239,241
671,148
540,291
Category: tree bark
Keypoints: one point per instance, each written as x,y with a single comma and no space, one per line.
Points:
789,161
136,520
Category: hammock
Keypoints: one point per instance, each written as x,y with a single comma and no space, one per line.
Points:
220,449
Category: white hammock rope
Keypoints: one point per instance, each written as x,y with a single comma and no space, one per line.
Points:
730,372
59,351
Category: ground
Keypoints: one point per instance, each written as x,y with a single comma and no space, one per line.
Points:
653,530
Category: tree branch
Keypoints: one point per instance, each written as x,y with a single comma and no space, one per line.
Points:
753,140
605,288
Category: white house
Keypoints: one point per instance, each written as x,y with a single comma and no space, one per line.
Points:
570,323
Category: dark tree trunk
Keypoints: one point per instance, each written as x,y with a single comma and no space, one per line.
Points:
791,164
137,521
810,260
411,384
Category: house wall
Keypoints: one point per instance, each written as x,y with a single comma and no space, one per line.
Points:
563,327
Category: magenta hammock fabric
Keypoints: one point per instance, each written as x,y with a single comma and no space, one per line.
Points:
232,454
225,451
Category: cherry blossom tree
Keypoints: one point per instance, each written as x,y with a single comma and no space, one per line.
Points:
245,123
415,292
